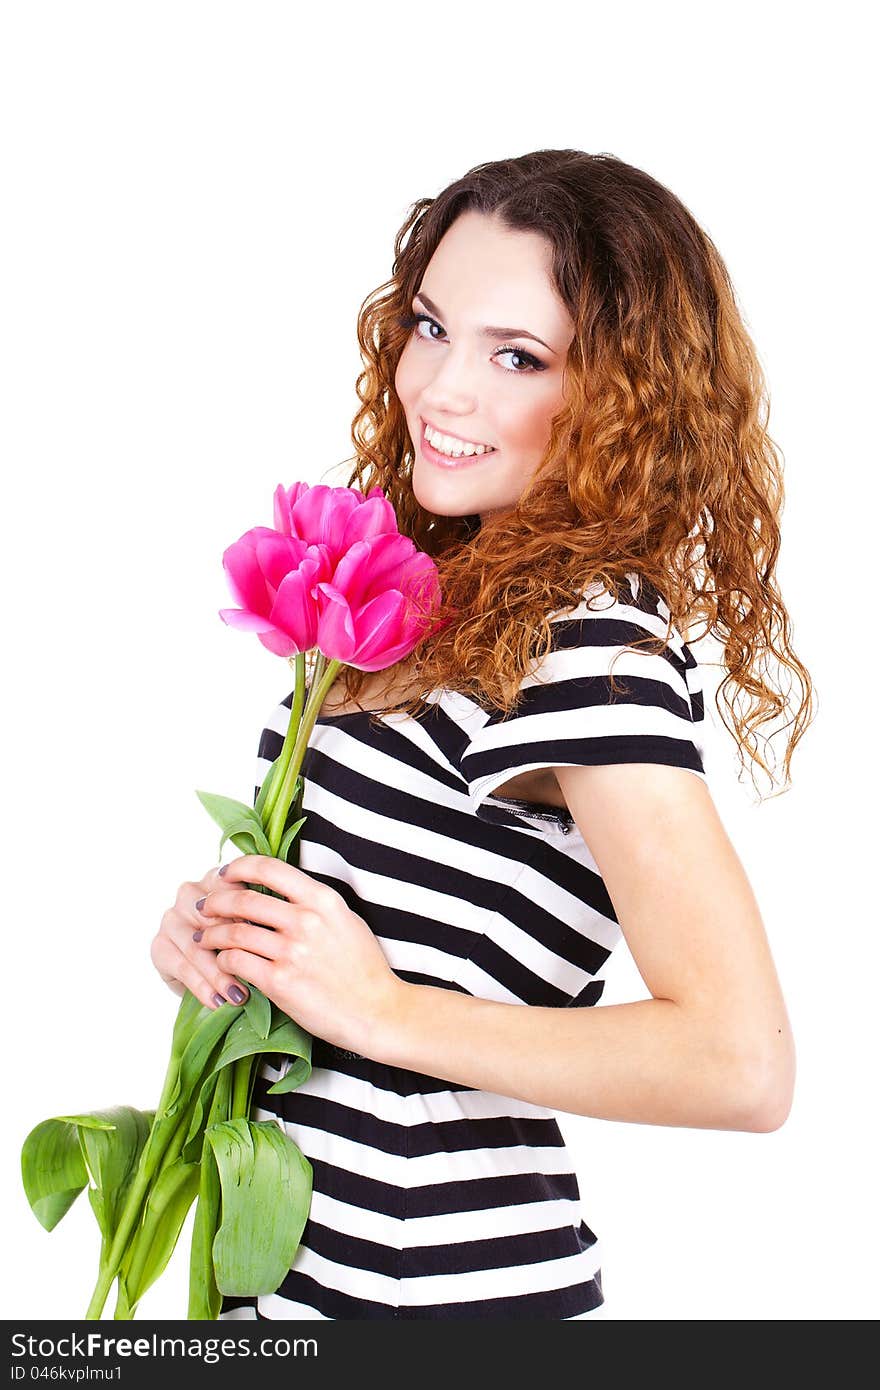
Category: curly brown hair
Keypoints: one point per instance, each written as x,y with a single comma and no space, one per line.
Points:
659,461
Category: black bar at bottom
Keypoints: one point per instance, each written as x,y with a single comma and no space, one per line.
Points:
303,1352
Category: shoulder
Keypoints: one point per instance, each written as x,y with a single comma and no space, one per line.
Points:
596,698
611,634
633,610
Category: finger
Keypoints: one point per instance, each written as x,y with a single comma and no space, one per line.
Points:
211,879
245,936
179,924
164,955
288,880
191,895
177,934
208,991
247,966
243,904
221,982
194,888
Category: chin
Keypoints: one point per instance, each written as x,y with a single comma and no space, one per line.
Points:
433,500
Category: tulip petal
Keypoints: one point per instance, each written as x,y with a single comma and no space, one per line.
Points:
418,578
379,628
387,553
353,575
284,499
243,570
278,642
320,563
374,517
276,556
244,620
281,511
294,610
320,515
336,632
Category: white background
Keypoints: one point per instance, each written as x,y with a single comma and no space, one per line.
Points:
197,199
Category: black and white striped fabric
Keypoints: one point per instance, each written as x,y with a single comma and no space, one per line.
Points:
432,1200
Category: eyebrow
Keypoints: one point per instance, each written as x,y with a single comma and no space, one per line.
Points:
488,332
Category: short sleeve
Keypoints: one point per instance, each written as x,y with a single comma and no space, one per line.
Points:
568,715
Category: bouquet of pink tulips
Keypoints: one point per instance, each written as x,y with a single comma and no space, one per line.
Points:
333,578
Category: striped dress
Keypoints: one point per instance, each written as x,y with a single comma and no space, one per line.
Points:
434,1200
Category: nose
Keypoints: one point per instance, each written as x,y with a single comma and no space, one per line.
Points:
449,389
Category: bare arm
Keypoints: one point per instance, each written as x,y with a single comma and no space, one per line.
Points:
711,1049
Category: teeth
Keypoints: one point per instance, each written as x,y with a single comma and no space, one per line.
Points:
454,447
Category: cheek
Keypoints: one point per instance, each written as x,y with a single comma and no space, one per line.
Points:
527,427
406,383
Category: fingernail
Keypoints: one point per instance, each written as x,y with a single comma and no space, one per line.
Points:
218,1000
197,935
200,904
235,994
223,870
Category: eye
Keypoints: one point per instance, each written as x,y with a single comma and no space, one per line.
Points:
412,321
532,364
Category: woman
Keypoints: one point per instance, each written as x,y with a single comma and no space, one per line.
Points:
563,406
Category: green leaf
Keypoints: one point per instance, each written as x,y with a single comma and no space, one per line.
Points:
197,1058
289,836
249,839
52,1170
95,1121
124,1308
299,1071
202,1049
170,1198
204,1296
192,1148
238,821
244,843
284,1036
189,1015
59,1156
185,1022
111,1157
229,813
266,1192
258,1012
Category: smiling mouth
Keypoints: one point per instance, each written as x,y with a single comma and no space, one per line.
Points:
459,439
476,450
449,460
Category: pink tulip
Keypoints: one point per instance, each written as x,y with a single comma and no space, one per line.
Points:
335,574
333,516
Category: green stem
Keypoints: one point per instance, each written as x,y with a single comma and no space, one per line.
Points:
322,681
232,1101
162,1130
131,1211
241,1087
110,1267
296,709
204,1296
139,1250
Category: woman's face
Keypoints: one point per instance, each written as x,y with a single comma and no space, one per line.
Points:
498,387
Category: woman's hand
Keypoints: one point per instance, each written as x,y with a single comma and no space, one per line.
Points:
306,950
181,963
